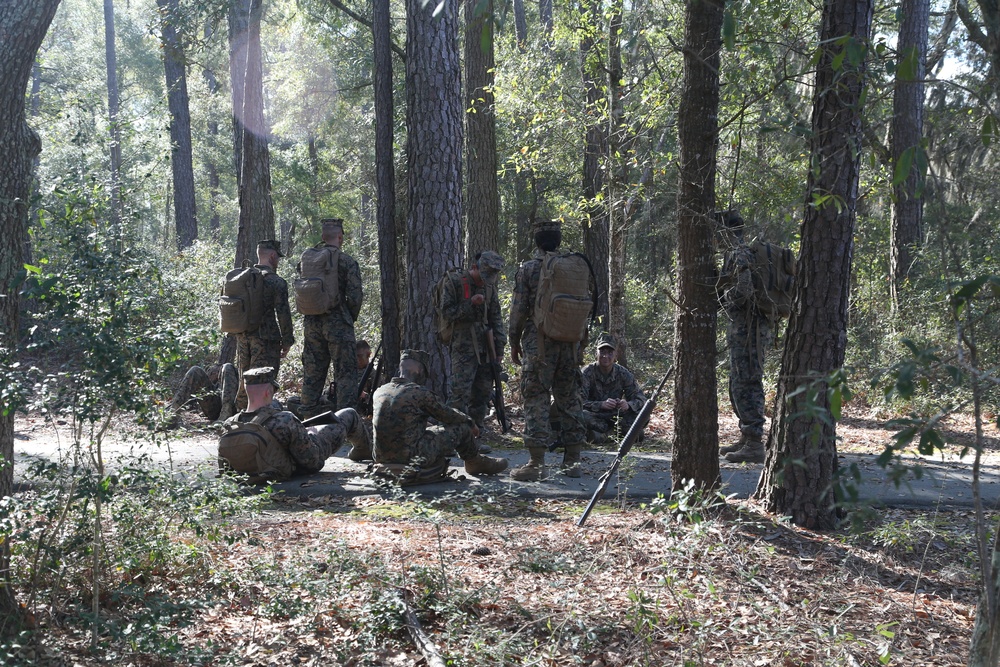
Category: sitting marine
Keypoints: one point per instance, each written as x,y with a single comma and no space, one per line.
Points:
611,396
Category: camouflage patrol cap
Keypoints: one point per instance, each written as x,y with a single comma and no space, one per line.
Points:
417,355
262,375
489,262
606,340
332,225
270,244
553,225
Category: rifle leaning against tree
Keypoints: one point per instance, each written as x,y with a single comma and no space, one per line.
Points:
498,405
625,447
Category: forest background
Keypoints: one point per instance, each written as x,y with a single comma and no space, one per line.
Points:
126,243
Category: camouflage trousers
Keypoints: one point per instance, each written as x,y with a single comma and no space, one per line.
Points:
322,442
437,442
328,339
615,423
470,387
253,352
556,374
210,396
749,336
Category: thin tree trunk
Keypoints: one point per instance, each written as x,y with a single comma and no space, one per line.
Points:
595,224
483,212
174,67
212,83
905,138
434,159
801,449
111,61
23,23
520,25
696,409
254,174
618,218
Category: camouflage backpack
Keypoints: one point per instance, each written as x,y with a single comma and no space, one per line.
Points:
564,302
317,289
249,448
444,327
773,271
241,302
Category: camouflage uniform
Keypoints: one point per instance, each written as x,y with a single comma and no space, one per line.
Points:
402,435
330,337
470,386
557,371
598,387
262,348
309,447
748,335
212,394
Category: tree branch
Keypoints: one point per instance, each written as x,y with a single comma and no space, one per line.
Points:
337,4
975,30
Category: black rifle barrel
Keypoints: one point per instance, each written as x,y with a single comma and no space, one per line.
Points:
501,410
625,447
368,370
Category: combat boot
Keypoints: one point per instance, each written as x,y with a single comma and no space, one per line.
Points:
361,443
571,461
534,469
751,452
735,447
485,465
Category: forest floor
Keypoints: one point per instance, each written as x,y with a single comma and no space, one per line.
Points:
513,581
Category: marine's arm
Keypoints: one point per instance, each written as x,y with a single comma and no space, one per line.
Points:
284,313
353,295
520,309
631,391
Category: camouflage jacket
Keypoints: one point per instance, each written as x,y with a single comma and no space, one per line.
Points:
457,306
277,319
736,281
283,425
619,383
401,410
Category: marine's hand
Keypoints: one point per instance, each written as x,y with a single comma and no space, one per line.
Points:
515,354
475,431
478,299
623,405
609,404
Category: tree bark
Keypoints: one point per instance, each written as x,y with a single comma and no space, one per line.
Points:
385,183
174,67
801,449
253,158
618,218
483,212
434,159
115,153
595,224
212,83
906,135
696,409
520,25
23,24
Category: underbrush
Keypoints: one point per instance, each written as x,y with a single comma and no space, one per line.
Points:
195,574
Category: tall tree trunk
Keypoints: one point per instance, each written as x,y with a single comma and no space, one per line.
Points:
595,224
212,83
696,408
385,183
254,173
545,17
111,62
618,218
801,449
520,25
905,139
174,67
23,24
434,159
483,212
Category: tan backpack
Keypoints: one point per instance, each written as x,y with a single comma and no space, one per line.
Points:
317,289
773,271
241,302
249,448
564,302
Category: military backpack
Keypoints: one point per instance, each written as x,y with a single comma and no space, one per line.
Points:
241,302
251,449
773,271
444,327
564,302
317,289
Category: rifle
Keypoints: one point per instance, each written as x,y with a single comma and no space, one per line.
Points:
625,447
368,371
497,383
328,417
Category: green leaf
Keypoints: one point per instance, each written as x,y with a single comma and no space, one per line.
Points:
838,60
990,130
903,166
729,27
907,68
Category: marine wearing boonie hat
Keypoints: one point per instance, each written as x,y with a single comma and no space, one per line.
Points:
417,355
262,375
270,244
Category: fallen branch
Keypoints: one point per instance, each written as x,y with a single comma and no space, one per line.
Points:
417,634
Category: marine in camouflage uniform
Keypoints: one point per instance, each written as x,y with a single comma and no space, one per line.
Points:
473,307
214,389
402,408
555,373
330,337
311,446
269,344
749,334
605,382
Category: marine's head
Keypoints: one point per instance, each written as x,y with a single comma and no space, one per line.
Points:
414,365
548,234
333,231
